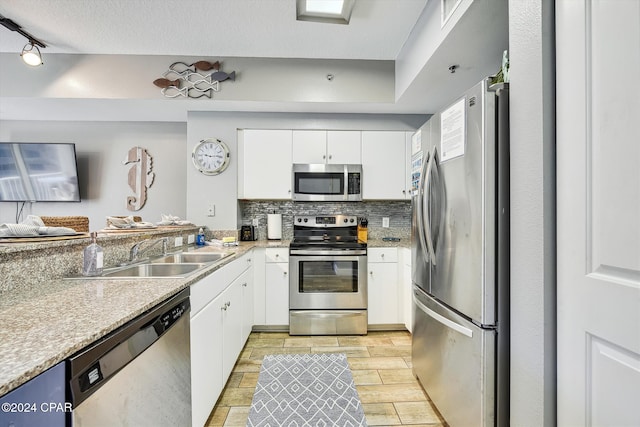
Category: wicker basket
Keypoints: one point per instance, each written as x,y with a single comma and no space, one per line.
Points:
78,223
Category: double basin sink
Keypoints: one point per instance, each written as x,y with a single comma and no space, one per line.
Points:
180,264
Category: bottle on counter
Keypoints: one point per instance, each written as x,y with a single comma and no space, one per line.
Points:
362,230
93,258
200,238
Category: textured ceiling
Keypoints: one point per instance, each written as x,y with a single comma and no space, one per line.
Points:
240,28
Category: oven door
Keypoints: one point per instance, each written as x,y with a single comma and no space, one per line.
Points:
327,281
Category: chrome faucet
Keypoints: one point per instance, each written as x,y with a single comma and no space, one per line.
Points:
136,252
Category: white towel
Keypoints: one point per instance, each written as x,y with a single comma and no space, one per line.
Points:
173,220
33,226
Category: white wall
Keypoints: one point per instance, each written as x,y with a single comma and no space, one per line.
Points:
533,283
222,190
101,148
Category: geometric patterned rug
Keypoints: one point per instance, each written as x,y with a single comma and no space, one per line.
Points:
314,390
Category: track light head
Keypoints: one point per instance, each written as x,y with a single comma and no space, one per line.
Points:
31,54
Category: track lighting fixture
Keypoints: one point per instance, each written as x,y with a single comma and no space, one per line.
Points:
30,52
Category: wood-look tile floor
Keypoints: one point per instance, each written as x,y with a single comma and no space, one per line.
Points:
381,367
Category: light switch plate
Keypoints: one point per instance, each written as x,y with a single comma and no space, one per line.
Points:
191,238
177,242
385,222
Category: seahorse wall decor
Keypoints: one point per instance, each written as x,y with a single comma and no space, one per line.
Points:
140,176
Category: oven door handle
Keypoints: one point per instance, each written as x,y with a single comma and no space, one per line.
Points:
341,252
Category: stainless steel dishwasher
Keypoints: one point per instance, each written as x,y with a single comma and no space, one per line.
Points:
140,374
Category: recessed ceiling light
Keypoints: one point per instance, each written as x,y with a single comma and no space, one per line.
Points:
327,11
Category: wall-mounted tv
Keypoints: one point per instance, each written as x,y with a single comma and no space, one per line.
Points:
38,172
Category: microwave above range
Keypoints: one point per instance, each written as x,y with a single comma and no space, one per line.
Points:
327,182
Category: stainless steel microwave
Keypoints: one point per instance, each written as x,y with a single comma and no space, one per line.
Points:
327,182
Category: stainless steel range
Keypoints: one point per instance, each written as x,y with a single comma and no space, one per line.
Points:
328,277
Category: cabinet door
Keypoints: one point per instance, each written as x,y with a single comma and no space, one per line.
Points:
277,293
231,327
265,164
383,165
383,293
309,146
246,283
206,361
344,146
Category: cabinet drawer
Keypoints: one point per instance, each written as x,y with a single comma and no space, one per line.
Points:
277,255
382,255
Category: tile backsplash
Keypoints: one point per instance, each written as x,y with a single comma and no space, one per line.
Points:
398,212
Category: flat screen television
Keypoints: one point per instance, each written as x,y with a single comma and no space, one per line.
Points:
38,172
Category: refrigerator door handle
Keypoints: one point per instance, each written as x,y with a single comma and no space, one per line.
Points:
440,208
421,200
446,322
427,184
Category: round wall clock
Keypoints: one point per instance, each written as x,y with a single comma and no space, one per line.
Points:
210,156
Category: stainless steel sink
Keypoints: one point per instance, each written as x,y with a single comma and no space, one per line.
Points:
154,270
188,257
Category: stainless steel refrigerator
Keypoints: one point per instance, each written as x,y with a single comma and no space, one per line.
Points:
460,257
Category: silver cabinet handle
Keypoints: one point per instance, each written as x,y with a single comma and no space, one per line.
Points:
382,255
324,157
244,284
285,273
330,156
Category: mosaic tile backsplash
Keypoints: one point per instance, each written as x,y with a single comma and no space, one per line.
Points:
398,212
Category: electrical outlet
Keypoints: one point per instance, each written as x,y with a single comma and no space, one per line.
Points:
255,222
385,222
191,238
211,210
178,241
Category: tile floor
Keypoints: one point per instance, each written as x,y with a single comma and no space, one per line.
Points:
381,367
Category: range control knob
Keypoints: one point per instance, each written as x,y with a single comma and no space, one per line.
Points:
299,219
306,220
351,220
346,220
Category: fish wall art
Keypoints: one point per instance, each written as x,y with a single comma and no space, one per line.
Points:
188,80
140,176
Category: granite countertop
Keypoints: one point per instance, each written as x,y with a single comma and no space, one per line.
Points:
46,325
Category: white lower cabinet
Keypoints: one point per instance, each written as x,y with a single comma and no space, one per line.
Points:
218,322
276,286
406,294
383,287
206,361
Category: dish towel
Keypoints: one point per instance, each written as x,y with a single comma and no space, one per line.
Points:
173,220
33,226
127,222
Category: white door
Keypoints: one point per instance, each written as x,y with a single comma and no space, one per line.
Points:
598,208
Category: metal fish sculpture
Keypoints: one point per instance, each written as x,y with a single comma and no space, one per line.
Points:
167,83
206,66
182,67
140,176
191,92
221,76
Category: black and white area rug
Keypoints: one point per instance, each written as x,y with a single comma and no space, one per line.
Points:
312,390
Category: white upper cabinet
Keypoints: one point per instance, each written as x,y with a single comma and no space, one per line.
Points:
321,146
264,161
384,165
